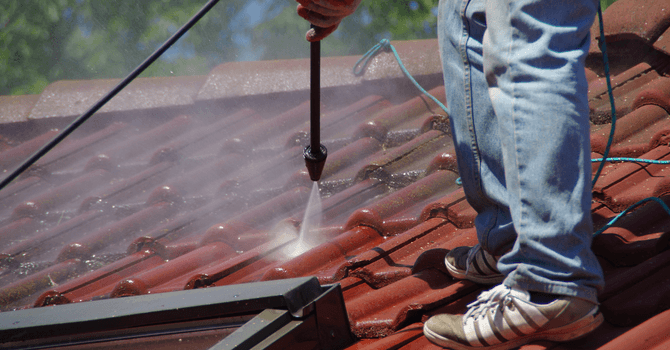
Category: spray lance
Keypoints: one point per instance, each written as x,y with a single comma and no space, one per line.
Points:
315,153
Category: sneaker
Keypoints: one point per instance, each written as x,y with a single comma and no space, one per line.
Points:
505,318
474,264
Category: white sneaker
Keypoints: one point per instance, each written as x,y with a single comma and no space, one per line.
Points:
505,318
474,264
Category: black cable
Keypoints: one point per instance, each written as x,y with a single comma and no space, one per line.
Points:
82,118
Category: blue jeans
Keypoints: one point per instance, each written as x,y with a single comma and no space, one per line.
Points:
517,98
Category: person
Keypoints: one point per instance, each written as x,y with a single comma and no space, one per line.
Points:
517,99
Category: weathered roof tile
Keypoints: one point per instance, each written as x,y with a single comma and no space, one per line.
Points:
15,109
644,20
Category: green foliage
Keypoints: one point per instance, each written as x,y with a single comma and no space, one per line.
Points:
45,41
606,3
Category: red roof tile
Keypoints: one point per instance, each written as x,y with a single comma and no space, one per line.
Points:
652,334
645,20
244,79
15,109
101,281
70,98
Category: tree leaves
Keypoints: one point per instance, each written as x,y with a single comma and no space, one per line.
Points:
42,42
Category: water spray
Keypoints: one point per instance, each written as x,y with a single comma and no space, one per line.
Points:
315,153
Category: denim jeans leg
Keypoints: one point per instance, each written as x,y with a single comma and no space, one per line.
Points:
461,27
534,52
528,160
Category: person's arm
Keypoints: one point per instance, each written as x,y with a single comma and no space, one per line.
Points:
326,15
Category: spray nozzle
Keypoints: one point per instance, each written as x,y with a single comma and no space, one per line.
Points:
315,161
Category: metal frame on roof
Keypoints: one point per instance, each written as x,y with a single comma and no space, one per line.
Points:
263,315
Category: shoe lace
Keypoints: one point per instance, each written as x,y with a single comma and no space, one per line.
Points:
496,298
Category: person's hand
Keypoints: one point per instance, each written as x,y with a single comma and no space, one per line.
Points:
325,15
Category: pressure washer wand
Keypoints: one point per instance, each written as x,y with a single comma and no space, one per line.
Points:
315,160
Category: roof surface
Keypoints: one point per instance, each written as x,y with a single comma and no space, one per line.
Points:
189,182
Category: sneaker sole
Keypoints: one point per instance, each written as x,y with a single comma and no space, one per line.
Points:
460,274
572,331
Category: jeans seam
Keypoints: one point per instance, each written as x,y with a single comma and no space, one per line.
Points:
522,208
477,181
